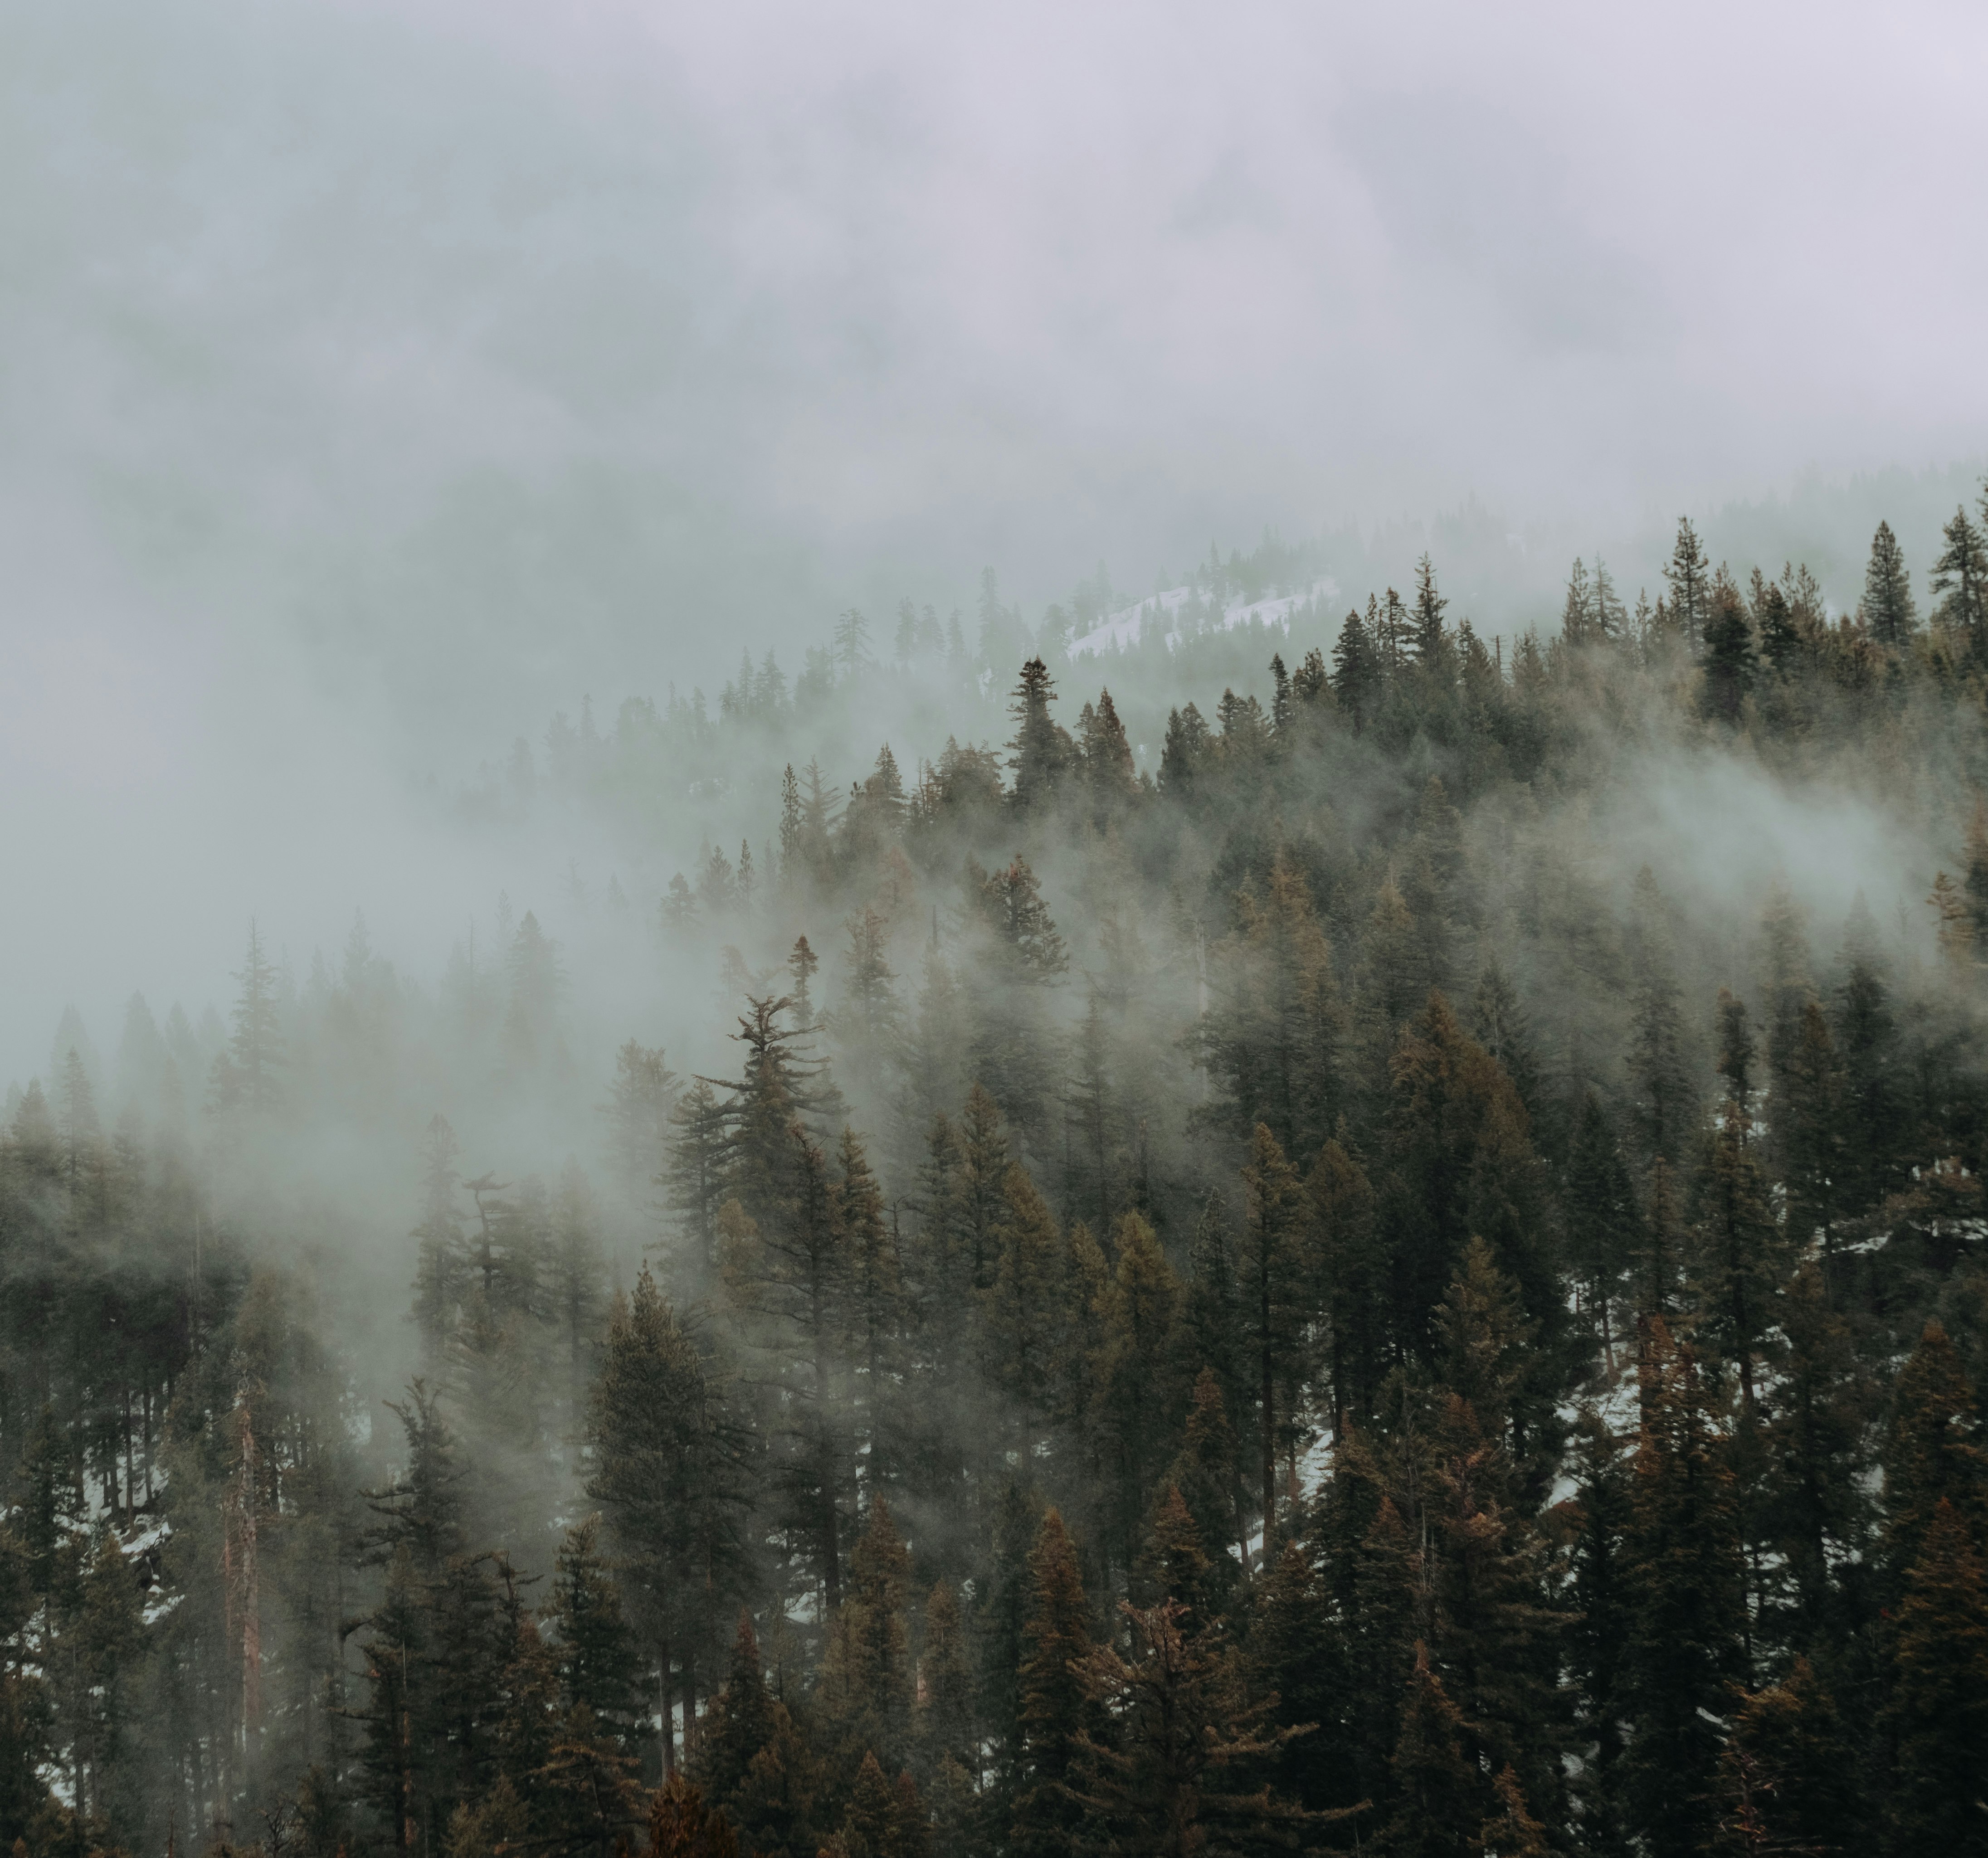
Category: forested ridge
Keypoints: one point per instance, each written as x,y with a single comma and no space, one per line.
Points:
1299,1297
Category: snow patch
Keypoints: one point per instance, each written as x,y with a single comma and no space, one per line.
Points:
1127,626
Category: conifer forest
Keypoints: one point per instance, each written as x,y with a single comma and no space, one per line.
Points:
1196,1274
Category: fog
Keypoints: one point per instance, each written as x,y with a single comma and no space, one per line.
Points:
1129,864
378,379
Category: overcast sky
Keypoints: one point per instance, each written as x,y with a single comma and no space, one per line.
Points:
373,375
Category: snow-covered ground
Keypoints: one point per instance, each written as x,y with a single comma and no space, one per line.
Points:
1127,626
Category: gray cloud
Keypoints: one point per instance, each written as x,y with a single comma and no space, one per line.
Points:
372,371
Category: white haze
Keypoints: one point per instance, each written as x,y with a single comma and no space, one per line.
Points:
375,378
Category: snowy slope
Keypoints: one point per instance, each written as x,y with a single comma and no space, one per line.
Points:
1127,626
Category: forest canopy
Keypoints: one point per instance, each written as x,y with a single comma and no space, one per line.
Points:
1230,1279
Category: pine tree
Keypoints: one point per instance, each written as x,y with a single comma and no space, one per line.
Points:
1683,1575
1600,1206
1357,672
1204,1473
438,1272
1457,1159
23,1699
1514,1833
245,1075
1659,1060
641,1103
948,1728
1938,1710
998,1627
1055,1711
1211,1332
1437,1797
1024,1309
1611,618
1960,584
1107,756
1184,753
1782,644
1352,1271
1274,1269
1276,1044
1736,1052
681,1826
1136,1405
1813,1134
1817,1511
1042,753
1429,639
869,1828
740,1721
695,1179
1689,577
874,1308
1788,1775
1602,1599
1930,1454
852,643
985,1164
791,823
1576,619
867,1679
777,1807
1737,1256
1728,659
668,1472
596,1659
1296,1657
1173,1780
1888,609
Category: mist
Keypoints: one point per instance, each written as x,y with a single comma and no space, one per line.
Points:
794,723
371,368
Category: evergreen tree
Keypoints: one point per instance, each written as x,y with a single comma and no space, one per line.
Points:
1737,1256
1177,1778
1930,1454
641,1103
740,1721
1960,584
1689,577
595,1655
1788,1775
1274,1269
1817,1514
1276,1044
695,1179
1659,1059
681,1826
1357,673
1429,641
867,1681
1682,1566
666,1471
1513,1833
1438,1797
439,1270
1055,1713
1888,609
1599,1201
1728,659
1042,753
244,1075
948,1730
1939,1713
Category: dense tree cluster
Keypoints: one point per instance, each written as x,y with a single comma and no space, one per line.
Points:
1288,1301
